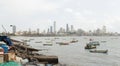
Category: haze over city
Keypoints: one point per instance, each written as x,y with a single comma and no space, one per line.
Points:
84,14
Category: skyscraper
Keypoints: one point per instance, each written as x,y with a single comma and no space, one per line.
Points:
48,31
67,28
72,28
104,29
13,29
54,27
29,31
38,30
51,29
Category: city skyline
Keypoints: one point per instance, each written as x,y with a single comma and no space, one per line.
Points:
87,14
52,29
64,31
68,30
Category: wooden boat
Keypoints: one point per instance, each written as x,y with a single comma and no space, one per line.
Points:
26,40
38,42
56,38
95,43
31,39
103,41
73,41
64,43
99,51
90,47
47,44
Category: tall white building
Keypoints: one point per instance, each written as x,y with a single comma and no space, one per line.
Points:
13,29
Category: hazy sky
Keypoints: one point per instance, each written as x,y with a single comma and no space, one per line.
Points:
85,14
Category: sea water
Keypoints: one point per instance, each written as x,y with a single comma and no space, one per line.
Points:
74,54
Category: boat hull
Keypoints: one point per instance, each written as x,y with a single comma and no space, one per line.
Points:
99,51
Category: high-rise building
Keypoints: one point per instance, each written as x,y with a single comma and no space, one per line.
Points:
13,29
54,27
104,29
72,28
67,28
38,30
48,31
29,31
51,29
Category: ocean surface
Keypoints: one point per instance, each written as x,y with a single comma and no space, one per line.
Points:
74,54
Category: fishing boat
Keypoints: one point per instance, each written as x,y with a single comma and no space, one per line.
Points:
38,42
25,40
99,51
73,41
95,43
48,44
56,38
90,46
103,41
63,43
31,39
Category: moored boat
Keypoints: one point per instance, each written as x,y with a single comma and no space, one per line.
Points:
95,43
99,51
64,43
38,42
73,41
90,46
47,44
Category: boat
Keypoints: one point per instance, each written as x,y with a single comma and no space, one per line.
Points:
58,42
103,41
90,46
99,51
31,39
56,38
26,40
47,44
73,41
38,42
95,43
64,43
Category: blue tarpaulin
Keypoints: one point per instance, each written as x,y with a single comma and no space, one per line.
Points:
6,40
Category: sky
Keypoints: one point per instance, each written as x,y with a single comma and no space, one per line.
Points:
83,14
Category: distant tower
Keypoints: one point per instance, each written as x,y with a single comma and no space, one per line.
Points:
55,27
48,31
51,29
104,29
29,31
67,28
13,29
38,30
72,28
